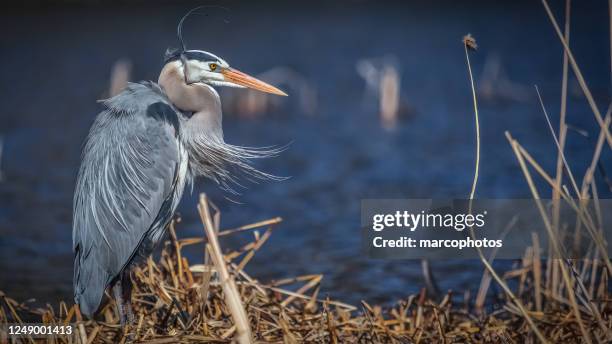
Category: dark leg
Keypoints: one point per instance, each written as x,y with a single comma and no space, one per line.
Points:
122,291
117,292
126,286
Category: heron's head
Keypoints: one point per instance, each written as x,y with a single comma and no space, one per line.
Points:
199,66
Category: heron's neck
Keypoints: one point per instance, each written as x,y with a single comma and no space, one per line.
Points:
198,98
187,97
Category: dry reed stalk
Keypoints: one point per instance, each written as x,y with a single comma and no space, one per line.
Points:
559,148
562,124
428,277
232,296
552,238
389,90
537,271
552,271
585,217
578,74
526,262
589,174
579,195
485,281
469,42
177,248
251,226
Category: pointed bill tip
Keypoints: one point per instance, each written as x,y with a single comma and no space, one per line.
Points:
243,79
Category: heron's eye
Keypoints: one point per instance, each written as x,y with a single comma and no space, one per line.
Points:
212,66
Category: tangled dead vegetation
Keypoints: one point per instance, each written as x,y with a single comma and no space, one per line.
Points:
176,301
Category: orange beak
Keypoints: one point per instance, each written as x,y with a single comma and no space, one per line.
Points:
239,78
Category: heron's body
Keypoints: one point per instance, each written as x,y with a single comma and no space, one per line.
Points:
150,141
126,206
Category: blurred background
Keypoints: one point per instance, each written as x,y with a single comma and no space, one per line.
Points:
380,107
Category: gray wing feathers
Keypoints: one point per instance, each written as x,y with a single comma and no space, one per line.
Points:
127,174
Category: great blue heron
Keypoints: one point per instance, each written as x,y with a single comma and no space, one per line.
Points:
151,140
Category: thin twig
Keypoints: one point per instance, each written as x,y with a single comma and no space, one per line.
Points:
559,148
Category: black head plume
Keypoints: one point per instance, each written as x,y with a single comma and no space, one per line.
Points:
179,30
175,54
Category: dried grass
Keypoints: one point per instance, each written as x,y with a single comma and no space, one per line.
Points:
175,301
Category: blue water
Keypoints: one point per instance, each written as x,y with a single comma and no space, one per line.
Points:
56,64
